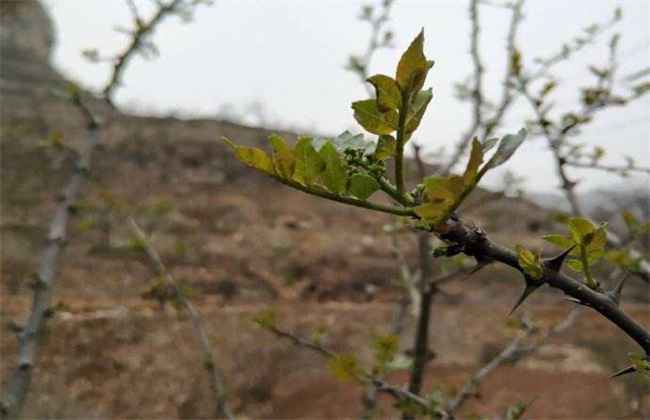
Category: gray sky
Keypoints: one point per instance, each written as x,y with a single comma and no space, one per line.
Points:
290,55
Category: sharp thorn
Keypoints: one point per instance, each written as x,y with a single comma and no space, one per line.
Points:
624,371
528,290
615,293
555,263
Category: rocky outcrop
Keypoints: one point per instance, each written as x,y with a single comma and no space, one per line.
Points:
27,37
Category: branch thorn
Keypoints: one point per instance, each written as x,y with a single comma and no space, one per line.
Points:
531,286
555,263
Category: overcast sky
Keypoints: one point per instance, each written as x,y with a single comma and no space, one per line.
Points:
289,55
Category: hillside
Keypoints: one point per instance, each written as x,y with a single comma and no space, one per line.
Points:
241,243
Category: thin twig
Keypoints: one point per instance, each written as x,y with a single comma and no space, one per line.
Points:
607,168
514,351
363,377
215,375
477,90
142,30
508,93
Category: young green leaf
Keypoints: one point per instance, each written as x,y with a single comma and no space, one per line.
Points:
385,348
348,141
443,194
387,92
529,262
283,159
416,112
413,66
507,147
576,265
344,367
253,157
335,175
580,227
309,164
362,186
368,114
385,147
562,241
475,161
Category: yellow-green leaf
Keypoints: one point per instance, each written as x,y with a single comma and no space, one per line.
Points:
576,265
475,160
344,367
417,110
385,348
368,114
335,174
253,157
362,186
529,262
266,318
580,227
385,147
283,158
413,66
431,212
309,164
387,92
562,241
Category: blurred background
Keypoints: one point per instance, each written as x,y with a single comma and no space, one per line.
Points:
242,244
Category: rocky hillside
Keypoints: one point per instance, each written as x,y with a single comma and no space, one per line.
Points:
241,243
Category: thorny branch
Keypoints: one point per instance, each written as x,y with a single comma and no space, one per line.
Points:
29,337
475,243
215,375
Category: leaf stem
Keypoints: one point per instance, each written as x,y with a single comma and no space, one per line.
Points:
400,140
347,200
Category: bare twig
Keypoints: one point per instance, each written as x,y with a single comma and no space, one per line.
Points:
513,352
607,168
141,31
512,68
215,374
360,64
477,90
361,376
